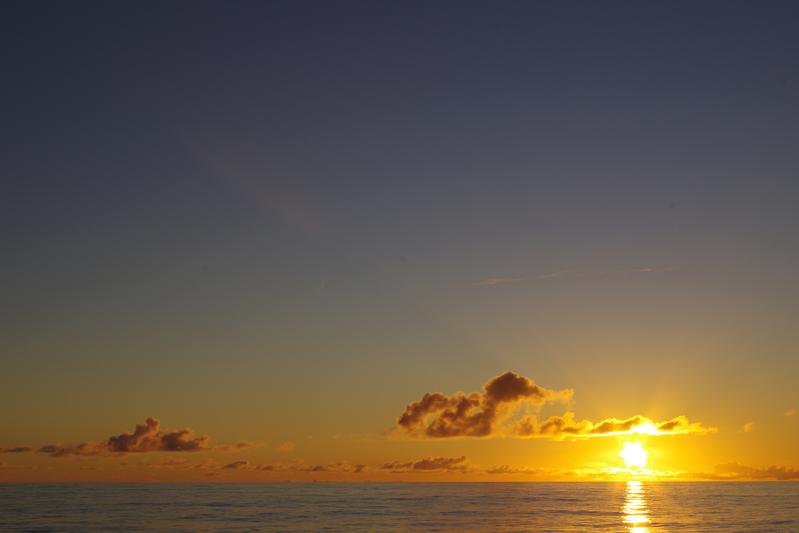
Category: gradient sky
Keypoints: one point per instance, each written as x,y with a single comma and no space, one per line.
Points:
282,222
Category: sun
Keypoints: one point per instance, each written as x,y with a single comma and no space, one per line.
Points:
634,455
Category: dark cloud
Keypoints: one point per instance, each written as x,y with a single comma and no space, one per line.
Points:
564,426
85,449
340,466
237,465
429,464
146,437
15,449
297,466
475,414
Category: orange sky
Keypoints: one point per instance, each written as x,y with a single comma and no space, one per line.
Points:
511,430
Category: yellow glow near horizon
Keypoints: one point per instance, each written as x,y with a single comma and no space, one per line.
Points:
634,455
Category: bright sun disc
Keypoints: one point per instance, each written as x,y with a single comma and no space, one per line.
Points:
634,455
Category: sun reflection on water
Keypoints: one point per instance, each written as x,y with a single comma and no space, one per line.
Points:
635,509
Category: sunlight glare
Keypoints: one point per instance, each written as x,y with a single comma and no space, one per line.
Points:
634,455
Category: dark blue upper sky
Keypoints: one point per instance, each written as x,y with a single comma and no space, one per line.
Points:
246,164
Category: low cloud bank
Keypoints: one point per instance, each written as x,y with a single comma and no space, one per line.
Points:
565,426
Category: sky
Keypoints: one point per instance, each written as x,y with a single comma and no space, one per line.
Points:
283,224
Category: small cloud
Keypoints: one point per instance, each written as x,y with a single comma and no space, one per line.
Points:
790,412
496,281
15,449
207,464
237,465
748,427
287,446
146,437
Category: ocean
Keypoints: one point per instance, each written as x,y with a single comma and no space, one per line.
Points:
632,506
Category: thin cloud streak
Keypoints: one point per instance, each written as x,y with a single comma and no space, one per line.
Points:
16,449
562,427
496,281
571,273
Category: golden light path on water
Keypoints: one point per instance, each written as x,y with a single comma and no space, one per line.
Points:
635,510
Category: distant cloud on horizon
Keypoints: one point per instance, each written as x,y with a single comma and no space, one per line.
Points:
736,471
16,449
429,464
238,446
146,437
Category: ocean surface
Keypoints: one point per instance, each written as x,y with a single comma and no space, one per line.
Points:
632,506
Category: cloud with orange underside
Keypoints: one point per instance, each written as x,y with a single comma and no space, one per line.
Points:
488,414
476,414
566,426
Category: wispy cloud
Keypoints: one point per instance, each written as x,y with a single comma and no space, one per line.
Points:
790,412
496,281
576,273
287,446
748,427
297,466
512,470
238,446
573,273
